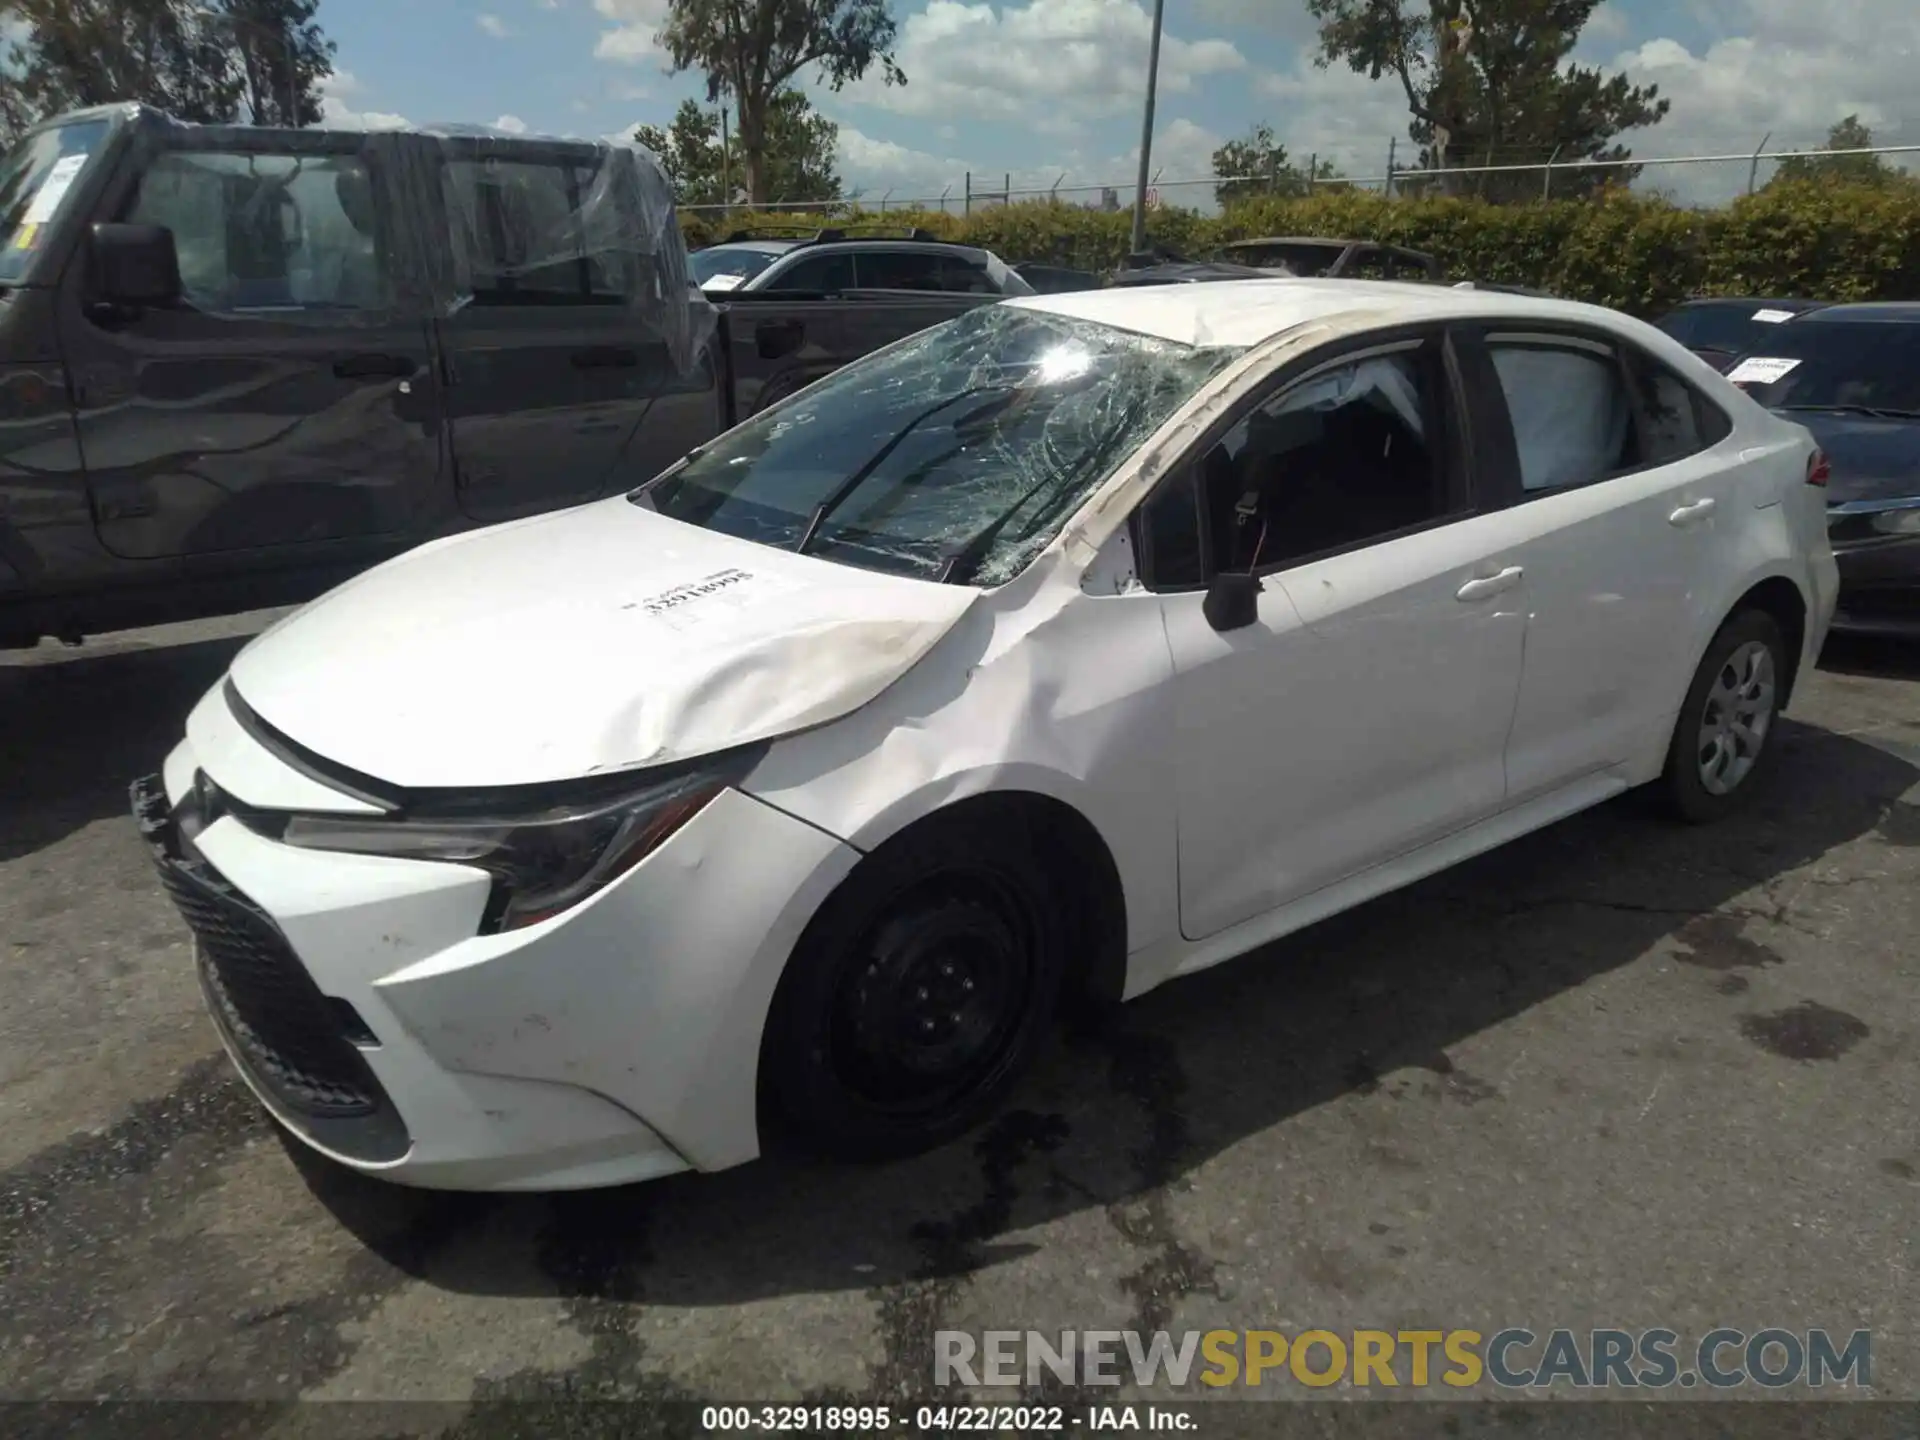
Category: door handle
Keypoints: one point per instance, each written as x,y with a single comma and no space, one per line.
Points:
1687,514
1491,585
364,367
605,357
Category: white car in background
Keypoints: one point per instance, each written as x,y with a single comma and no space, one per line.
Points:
1075,644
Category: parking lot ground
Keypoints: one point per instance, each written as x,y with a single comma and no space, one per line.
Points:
1617,1074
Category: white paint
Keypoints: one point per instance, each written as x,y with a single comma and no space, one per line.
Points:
1387,715
1760,370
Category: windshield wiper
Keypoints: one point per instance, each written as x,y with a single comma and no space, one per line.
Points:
840,493
1878,412
963,560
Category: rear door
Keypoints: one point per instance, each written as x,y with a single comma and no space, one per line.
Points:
550,370
782,342
1629,500
288,403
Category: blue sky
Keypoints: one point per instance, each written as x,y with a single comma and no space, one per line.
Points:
1042,87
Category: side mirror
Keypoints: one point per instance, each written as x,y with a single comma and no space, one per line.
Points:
1233,600
135,265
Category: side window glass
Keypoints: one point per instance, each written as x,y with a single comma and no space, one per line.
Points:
517,223
900,270
1669,415
830,273
1170,527
1350,454
267,232
1572,422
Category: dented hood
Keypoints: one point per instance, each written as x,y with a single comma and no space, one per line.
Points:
603,638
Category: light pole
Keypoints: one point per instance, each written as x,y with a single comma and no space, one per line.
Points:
1146,133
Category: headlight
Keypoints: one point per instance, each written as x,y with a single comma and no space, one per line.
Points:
1905,521
546,852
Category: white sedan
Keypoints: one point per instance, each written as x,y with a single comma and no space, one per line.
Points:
1075,644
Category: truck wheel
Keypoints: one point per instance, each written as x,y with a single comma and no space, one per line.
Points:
917,997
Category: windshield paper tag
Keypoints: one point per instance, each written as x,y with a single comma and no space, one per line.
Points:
696,602
1760,371
54,189
1773,317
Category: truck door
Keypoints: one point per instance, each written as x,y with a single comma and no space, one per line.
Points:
551,368
287,402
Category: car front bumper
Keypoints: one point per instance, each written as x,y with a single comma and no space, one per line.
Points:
613,1043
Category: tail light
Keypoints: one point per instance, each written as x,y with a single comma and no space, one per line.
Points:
1818,469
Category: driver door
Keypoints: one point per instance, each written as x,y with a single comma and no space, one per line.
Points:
1363,710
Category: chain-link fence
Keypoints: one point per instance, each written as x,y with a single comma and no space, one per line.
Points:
1508,175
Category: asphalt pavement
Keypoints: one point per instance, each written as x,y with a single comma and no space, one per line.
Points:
1621,1073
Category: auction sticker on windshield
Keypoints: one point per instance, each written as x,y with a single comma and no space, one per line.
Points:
1760,371
1773,317
54,189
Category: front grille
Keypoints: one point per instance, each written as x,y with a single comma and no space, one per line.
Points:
288,1035
266,1001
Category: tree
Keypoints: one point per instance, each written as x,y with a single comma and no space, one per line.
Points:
1257,165
752,50
196,62
1849,134
1489,82
801,158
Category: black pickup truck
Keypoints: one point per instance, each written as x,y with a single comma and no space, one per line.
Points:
239,365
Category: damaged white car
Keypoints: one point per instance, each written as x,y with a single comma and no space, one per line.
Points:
1078,643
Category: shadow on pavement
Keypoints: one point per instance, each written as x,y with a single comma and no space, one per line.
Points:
1871,656
1109,1120
77,729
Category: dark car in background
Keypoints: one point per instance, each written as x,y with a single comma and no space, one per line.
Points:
1326,257
1851,375
239,365
836,260
1722,329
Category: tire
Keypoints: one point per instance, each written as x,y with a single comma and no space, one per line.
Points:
1712,764
918,995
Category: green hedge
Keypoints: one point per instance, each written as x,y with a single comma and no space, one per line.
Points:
1832,242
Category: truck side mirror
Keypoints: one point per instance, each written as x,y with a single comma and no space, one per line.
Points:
135,265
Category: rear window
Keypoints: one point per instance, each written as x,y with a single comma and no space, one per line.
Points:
725,267
1298,258
1732,328
1867,365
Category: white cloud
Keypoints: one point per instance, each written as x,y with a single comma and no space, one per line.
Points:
1786,68
494,26
512,124
636,23
338,111
1338,116
1052,64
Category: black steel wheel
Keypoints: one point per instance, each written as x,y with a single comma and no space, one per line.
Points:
917,996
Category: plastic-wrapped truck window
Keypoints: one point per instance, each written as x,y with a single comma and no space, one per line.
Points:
343,227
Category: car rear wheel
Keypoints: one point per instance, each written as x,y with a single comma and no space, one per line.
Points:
917,996
1724,735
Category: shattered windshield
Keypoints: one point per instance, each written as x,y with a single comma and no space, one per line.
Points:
955,456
